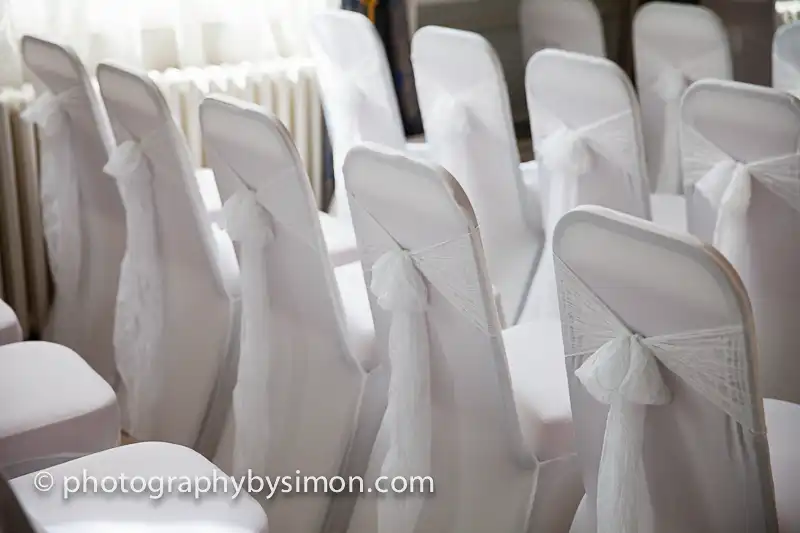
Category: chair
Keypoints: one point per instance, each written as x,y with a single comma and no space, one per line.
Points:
10,330
54,404
587,138
468,126
307,333
660,355
358,95
572,25
483,412
741,178
169,489
178,301
84,219
786,58
674,45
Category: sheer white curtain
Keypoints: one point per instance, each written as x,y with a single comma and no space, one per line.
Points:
158,34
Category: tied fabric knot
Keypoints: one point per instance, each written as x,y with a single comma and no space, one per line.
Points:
397,284
49,111
671,84
623,373
124,160
245,219
566,151
400,289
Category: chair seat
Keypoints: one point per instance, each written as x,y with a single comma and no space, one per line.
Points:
783,432
535,357
60,405
340,239
10,330
355,302
669,211
215,511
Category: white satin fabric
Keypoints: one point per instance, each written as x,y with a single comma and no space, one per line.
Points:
669,85
140,309
61,210
624,371
566,154
401,280
453,108
726,184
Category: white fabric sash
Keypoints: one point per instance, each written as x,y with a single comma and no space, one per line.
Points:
669,84
726,184
140,315
455,108
269,351
61,203
623,370
401,281
566,153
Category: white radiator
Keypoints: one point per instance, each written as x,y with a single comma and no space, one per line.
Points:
286,88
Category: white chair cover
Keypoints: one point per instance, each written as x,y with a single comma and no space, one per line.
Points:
451,413
10,330
465,107
299,380
658,343
54,404
573,25
674,45
587,139
786,58
215,511
358,94
742,177
84,220
178,292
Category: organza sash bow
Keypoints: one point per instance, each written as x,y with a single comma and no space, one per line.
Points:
401,282
61,200
726,184
670,82
252,217
456,108
140,315
623,370
566,153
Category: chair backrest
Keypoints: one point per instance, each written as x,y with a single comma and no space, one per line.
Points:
357,87
451,361
764,135
588,141
786,58
87,139
195,301
289,293
674,45
573,25
468,126
694,411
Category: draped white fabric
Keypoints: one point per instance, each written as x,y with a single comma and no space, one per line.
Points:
140,309
669,84
273,349
453,107
566,154
401,281
61,208
623,370
726,184
159,34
